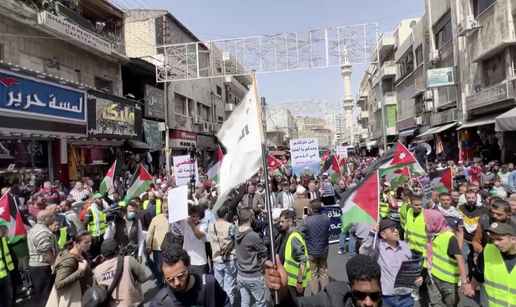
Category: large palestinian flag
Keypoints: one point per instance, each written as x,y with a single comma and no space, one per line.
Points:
19,225
335,171
214,166
362,203
107,184
397,177
140,181
441,180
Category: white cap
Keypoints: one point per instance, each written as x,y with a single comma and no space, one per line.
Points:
300,190
276,214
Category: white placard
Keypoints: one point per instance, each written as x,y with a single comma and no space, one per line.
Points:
342,152
183,170
304,154
178,204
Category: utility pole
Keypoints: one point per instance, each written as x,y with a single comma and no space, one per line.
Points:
378,70
167,132
263,104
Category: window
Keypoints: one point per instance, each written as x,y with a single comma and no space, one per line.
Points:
419,55
446,94
205,114
32,62
444,35
494,69
407,64
103,84
479,6
199,109
1,52
219,91
419,104
180,104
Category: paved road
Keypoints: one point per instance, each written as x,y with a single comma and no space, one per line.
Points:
337,268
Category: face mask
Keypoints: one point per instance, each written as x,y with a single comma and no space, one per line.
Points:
130,215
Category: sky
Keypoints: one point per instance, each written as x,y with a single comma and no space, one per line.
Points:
224,19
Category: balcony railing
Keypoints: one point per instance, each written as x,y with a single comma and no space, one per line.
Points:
364,114
391,98
389,69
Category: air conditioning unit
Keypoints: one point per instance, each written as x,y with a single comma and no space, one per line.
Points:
419,121
467,25
205,127
197,120
428,95
435,56
213,127
429,106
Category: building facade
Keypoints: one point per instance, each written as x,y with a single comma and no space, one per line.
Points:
281,120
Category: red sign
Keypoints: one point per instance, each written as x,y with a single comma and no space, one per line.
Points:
183,135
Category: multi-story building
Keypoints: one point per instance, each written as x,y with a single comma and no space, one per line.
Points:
305,124
337,124
280,119
364,119
196,108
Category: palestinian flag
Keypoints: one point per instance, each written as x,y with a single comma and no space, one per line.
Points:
441,180
361,204
107,184
140,181
343,166
397,177
19,225
214,166
395,159
335,172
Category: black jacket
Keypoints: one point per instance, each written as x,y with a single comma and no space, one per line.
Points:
336,294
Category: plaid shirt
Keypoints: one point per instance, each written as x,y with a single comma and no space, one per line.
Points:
79,195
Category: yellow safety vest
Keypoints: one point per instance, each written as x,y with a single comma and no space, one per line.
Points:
403,214
500,284
292,266
62,238
121,203
444,267
92,229
8,260
384,208
415,232
158,206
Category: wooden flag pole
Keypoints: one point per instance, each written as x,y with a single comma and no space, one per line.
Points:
268,204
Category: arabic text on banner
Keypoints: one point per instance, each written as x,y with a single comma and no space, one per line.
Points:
426,187
183,170
178,204
408,273
342,152
305,152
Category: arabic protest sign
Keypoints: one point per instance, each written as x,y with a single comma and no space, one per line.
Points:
427,188
334,215
342,152
183,170
304,155
113,117
408,273
27,96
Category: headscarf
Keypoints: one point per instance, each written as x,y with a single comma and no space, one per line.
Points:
435,225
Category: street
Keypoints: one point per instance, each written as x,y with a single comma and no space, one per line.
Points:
337,268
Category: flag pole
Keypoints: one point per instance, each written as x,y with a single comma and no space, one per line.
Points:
378,217
268,204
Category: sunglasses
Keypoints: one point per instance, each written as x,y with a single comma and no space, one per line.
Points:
361,296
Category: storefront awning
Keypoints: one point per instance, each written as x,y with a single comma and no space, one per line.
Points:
443,128
486,120
139,145
506,121
408,132
428,132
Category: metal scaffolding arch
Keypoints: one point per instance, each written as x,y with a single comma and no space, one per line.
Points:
293,51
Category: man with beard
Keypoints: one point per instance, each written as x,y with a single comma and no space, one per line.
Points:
362,289
184,288
500,213
285,198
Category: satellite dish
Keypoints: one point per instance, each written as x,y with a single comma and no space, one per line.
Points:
428,148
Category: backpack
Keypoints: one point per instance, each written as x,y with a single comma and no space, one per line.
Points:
168,300
100,295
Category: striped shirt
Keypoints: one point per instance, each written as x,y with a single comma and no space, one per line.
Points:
40,241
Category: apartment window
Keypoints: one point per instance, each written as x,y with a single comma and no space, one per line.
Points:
220,119
494,69
1,52
444,35
180,104
446,94
103,84
219,91
205,113
419,104
32,62
407,64
419,55
479,6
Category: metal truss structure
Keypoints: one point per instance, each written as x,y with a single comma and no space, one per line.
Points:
316,48
313,107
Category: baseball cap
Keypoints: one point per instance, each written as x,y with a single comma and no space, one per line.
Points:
4,223
386,224
96,196
502,229
109,247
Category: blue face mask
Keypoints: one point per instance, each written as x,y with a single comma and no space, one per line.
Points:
130,215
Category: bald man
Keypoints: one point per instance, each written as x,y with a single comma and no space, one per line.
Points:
43,250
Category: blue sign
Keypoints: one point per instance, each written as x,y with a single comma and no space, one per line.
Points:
334,215
26,95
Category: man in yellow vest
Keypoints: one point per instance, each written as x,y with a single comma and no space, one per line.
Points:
446,266
152,205
61,234
95,223
384,200
296,256
6,266
405,197
415,231
496,267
